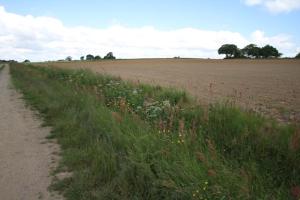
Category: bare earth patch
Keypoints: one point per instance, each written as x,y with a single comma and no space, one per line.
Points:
26,156
268,86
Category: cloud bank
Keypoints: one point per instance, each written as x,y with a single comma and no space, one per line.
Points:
276,6
46,38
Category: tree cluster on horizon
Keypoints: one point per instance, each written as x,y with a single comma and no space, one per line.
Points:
249,51
109,56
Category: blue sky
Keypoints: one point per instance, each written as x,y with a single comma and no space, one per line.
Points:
275,21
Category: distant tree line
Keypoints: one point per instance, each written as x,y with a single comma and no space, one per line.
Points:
249,51
109,56
8,61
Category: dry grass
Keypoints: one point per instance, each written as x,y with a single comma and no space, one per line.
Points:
268,86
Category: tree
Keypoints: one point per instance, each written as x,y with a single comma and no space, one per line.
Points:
90,57
269,51
69,58
230,50
26,61
297,56
82,58
97,58
110,56
251,51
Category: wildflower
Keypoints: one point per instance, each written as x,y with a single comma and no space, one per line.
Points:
134,91
166,103
206,183
295,192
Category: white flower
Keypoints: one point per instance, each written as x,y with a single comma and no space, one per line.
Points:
134,91
166,103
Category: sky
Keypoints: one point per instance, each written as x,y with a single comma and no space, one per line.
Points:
51,30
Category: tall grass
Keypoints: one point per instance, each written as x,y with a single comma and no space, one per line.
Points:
123,140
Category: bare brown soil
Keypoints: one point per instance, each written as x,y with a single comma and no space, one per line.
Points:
26,157
268,86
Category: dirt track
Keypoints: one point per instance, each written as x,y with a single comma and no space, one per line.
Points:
269,86
25,157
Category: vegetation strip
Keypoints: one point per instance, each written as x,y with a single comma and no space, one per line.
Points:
1,67
130,141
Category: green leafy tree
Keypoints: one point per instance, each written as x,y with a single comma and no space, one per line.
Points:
26,61
251,51
230,50
69,58
97,58
90,57
297,56
269,51
110,56
82,58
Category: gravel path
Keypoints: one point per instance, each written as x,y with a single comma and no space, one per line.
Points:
26,156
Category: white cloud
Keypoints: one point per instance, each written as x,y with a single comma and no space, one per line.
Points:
253,2
276,6
45,38
282,41
296,51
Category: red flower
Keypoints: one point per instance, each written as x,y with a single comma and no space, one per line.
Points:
295,192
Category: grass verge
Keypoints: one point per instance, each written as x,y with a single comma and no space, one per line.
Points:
1,66
123,140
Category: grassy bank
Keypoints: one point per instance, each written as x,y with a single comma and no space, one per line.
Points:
1,66
123,140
